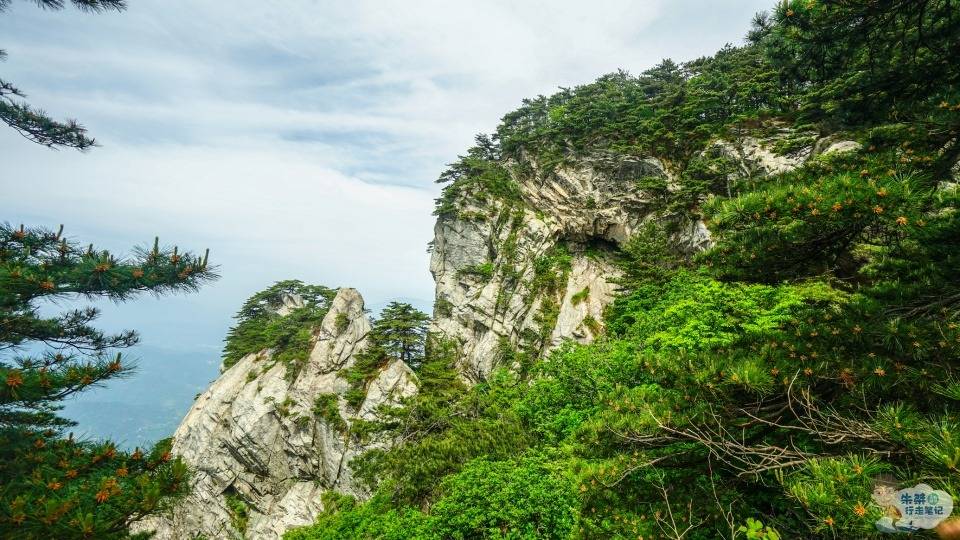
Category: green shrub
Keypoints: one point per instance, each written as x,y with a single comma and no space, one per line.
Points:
579,297
506,499
793,143
593,325
326,408
443,307
239,511
341,322
484,271
345,519
283,408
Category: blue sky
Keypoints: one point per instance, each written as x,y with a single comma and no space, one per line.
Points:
297,138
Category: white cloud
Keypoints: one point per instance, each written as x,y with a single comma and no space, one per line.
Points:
299,138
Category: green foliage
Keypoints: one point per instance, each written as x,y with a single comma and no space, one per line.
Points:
860,62
445,425
815,219
260,326
851,480
487,499
580,297
343,518
648,257
754,530
326,408
478,175
55,486
550,270
443,307
670,111
791,144
400,333
341,323
593,325
692,313
483,271
506,499
283,408
239,511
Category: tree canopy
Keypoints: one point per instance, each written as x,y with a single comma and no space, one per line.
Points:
401,331
281,319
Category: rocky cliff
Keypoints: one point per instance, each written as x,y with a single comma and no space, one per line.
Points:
512,276
262,450
532,273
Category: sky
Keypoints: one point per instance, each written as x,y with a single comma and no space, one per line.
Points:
296,139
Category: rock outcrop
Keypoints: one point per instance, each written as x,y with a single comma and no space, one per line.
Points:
490,257
545,261
255,441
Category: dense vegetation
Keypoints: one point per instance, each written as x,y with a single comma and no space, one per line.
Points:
765,385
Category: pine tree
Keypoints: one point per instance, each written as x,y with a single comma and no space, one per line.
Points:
56,486
32,123
401,332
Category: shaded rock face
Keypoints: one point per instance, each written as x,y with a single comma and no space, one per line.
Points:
252,436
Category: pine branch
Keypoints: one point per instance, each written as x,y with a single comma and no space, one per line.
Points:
36,126
93,6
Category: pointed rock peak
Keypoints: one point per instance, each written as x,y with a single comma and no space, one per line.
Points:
348,301
342,332
345,311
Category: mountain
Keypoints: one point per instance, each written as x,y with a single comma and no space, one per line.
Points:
716,296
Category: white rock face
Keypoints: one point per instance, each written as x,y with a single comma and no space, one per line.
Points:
253,434
290,302
588,292
840,147
580,207
755,157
